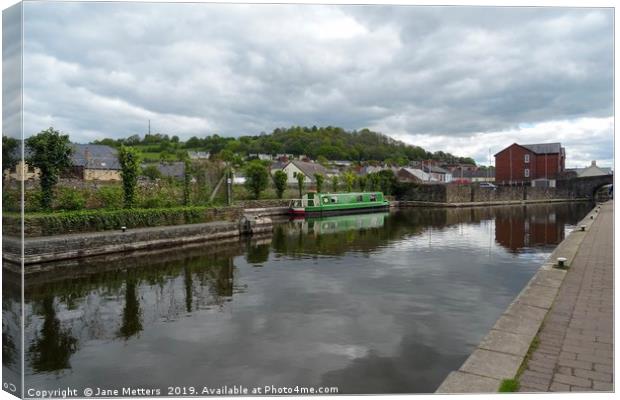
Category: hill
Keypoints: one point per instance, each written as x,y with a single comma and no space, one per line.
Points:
332,143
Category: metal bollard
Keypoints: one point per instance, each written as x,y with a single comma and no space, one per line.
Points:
123,228
561,262
583,228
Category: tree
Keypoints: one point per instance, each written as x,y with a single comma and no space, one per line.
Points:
129,159
301,178
279,180
374,181
361,182
319,182
256,178
321,159
349,180
9,150
51,154
335,183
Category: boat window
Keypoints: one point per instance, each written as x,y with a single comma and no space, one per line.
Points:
359,198
325,200
373,197
334,199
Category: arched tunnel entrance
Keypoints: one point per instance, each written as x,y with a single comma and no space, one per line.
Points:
603,192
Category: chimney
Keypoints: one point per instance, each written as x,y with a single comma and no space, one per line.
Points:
594,163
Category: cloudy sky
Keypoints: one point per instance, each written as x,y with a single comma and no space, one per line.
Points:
460,79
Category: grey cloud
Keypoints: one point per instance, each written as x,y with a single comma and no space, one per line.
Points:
196,69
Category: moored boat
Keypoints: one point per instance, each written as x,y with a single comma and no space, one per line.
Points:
338,203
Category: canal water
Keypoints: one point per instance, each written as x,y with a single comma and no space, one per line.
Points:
376,303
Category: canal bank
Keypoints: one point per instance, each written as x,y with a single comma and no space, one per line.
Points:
567,354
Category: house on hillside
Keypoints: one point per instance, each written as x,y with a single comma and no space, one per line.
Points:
413,175
90,162
521,164
94,162
21,172
309,169
592,170
437,173
198,155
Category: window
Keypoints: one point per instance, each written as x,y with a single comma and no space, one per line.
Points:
527,158
334,199
373,197
359,198
526,173
294,174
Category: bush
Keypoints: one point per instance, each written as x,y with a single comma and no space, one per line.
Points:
70,199
58,223
10,200
110,197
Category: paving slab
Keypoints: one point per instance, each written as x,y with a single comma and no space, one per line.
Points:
506,342
492,364
461,382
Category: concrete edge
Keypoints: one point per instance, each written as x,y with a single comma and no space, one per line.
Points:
504,348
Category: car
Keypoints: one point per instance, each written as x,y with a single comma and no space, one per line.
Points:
487,185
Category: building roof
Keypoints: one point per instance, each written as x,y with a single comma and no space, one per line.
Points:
538,148
435,169
418,173
592,170
172,169
94,156
544,148
309,169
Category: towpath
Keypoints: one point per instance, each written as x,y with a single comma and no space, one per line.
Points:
575,350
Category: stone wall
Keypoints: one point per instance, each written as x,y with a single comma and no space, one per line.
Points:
454,193
50,248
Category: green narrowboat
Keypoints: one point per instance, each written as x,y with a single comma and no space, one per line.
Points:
338,203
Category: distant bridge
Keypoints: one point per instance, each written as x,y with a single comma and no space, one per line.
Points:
585,187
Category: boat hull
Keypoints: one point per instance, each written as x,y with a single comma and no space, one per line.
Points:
313,212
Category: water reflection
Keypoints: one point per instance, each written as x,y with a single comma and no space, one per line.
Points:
378,303
53,345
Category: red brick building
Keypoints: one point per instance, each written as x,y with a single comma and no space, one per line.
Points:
525,163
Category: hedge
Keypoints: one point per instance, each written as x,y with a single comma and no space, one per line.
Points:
55,223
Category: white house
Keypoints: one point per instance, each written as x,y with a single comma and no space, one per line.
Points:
309,169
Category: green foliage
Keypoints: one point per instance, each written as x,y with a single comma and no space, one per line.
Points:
321,143
129,160
509,385
151,172
99,220
387,181
110,197
187,181
70,199
335,183
11,200
9,149
374,181
361,182
349,180
51,153
319,182
279,180
321,159
301,178
256,178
